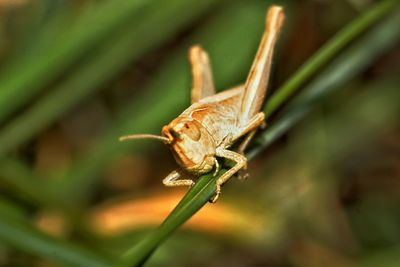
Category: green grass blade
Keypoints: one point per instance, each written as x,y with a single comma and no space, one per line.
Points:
24,79
327,52
18,234
18,178
198,196
11,210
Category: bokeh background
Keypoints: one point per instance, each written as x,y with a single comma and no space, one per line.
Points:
75,75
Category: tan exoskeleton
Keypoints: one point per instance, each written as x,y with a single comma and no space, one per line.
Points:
214,122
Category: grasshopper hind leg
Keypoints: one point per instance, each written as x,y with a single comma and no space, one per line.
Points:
172,180
203,84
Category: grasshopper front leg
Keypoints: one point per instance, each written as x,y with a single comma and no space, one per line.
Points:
240,161
172,180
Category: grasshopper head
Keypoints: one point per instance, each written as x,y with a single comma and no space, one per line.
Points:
192,145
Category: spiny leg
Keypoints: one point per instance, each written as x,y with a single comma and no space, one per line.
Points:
246,141
250,127
258,121
202,80
172,180
243,174
249,130
240,161
217,168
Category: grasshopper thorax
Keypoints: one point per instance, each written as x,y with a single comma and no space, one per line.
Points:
192,145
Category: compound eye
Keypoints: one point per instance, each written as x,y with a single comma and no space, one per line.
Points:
192,131
175,134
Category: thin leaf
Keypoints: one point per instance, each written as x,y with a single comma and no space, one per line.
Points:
196,198
26,78
18,234
20,179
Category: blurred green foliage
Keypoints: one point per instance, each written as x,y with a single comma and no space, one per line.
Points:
74,75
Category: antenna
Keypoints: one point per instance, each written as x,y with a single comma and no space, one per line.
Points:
145,136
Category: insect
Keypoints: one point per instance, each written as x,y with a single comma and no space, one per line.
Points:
208,128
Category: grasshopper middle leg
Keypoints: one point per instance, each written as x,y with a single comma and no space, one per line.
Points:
172,180
238,157
243,174
240,161
255,123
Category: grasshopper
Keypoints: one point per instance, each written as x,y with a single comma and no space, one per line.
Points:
215,121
